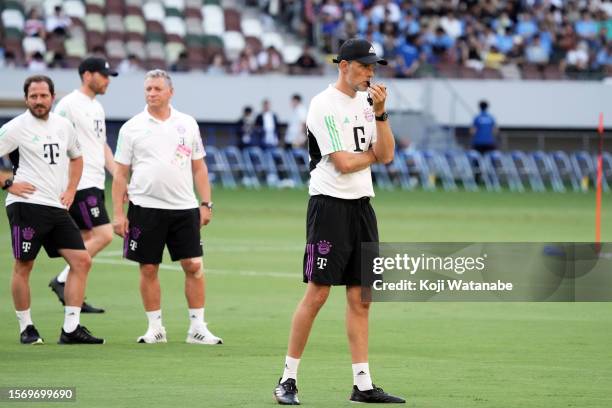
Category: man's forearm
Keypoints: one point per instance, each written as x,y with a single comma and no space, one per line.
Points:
202,184
346,162
384,148
119,189
75,170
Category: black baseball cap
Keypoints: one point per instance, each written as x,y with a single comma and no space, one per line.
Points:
95,64
356,49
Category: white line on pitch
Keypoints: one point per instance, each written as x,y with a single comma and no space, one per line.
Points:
207,270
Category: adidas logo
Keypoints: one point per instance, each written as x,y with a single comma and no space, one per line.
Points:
193,316
361,373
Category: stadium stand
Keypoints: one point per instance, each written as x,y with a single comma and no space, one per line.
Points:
455,39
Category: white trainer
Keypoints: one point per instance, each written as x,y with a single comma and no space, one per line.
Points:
154,336
201,335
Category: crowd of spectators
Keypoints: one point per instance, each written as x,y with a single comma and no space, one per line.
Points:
568,37
454,38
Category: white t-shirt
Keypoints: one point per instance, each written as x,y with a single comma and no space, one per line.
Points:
45,148
87,116
340,123
295,132
160,155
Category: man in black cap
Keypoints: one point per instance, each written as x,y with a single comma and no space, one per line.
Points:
88,209
347,132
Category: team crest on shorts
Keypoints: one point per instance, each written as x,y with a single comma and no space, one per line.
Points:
92,201
369,114
324,247
135,232
28,233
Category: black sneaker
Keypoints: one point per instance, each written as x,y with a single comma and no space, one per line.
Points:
87,308
375,395
79,336
58,287
286,393
30,335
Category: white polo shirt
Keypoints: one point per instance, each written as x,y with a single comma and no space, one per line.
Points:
87,116
340,123
45,147
160,155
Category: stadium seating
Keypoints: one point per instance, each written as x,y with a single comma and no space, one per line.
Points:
496,171
131,27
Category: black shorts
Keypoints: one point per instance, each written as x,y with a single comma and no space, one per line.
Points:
152,228
335,229
88,209
34,225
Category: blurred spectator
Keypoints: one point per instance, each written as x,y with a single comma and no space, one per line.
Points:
295,135
34,24
535,53
217,66
407,60
484,130
98,52
451,25
266,126
129,64
306,63
58,23
577,60
181,64
58,61
246,128
471,53
270,60
9,60
246,63
37,62
586,28
494,58
603,60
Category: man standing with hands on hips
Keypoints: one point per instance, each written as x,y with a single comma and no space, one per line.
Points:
348,131
46,176
163,149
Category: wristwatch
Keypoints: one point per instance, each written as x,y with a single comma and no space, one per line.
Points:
207,204
382,117
7,184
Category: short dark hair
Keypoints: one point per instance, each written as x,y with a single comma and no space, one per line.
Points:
38,78
297,97
484,105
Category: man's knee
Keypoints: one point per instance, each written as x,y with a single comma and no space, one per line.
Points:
23,268
316,296
192,267
148,271
80,263
103,235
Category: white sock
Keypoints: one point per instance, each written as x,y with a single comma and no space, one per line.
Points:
61,278
24,319
361,376
196,318
155,319
72,316
291,367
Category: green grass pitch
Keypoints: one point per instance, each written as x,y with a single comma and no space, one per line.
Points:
437,355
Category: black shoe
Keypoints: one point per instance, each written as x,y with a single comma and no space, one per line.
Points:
286,393
87,308
30,335
80,336
375,395
58,287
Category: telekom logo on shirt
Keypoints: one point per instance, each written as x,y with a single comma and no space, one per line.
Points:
51,152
